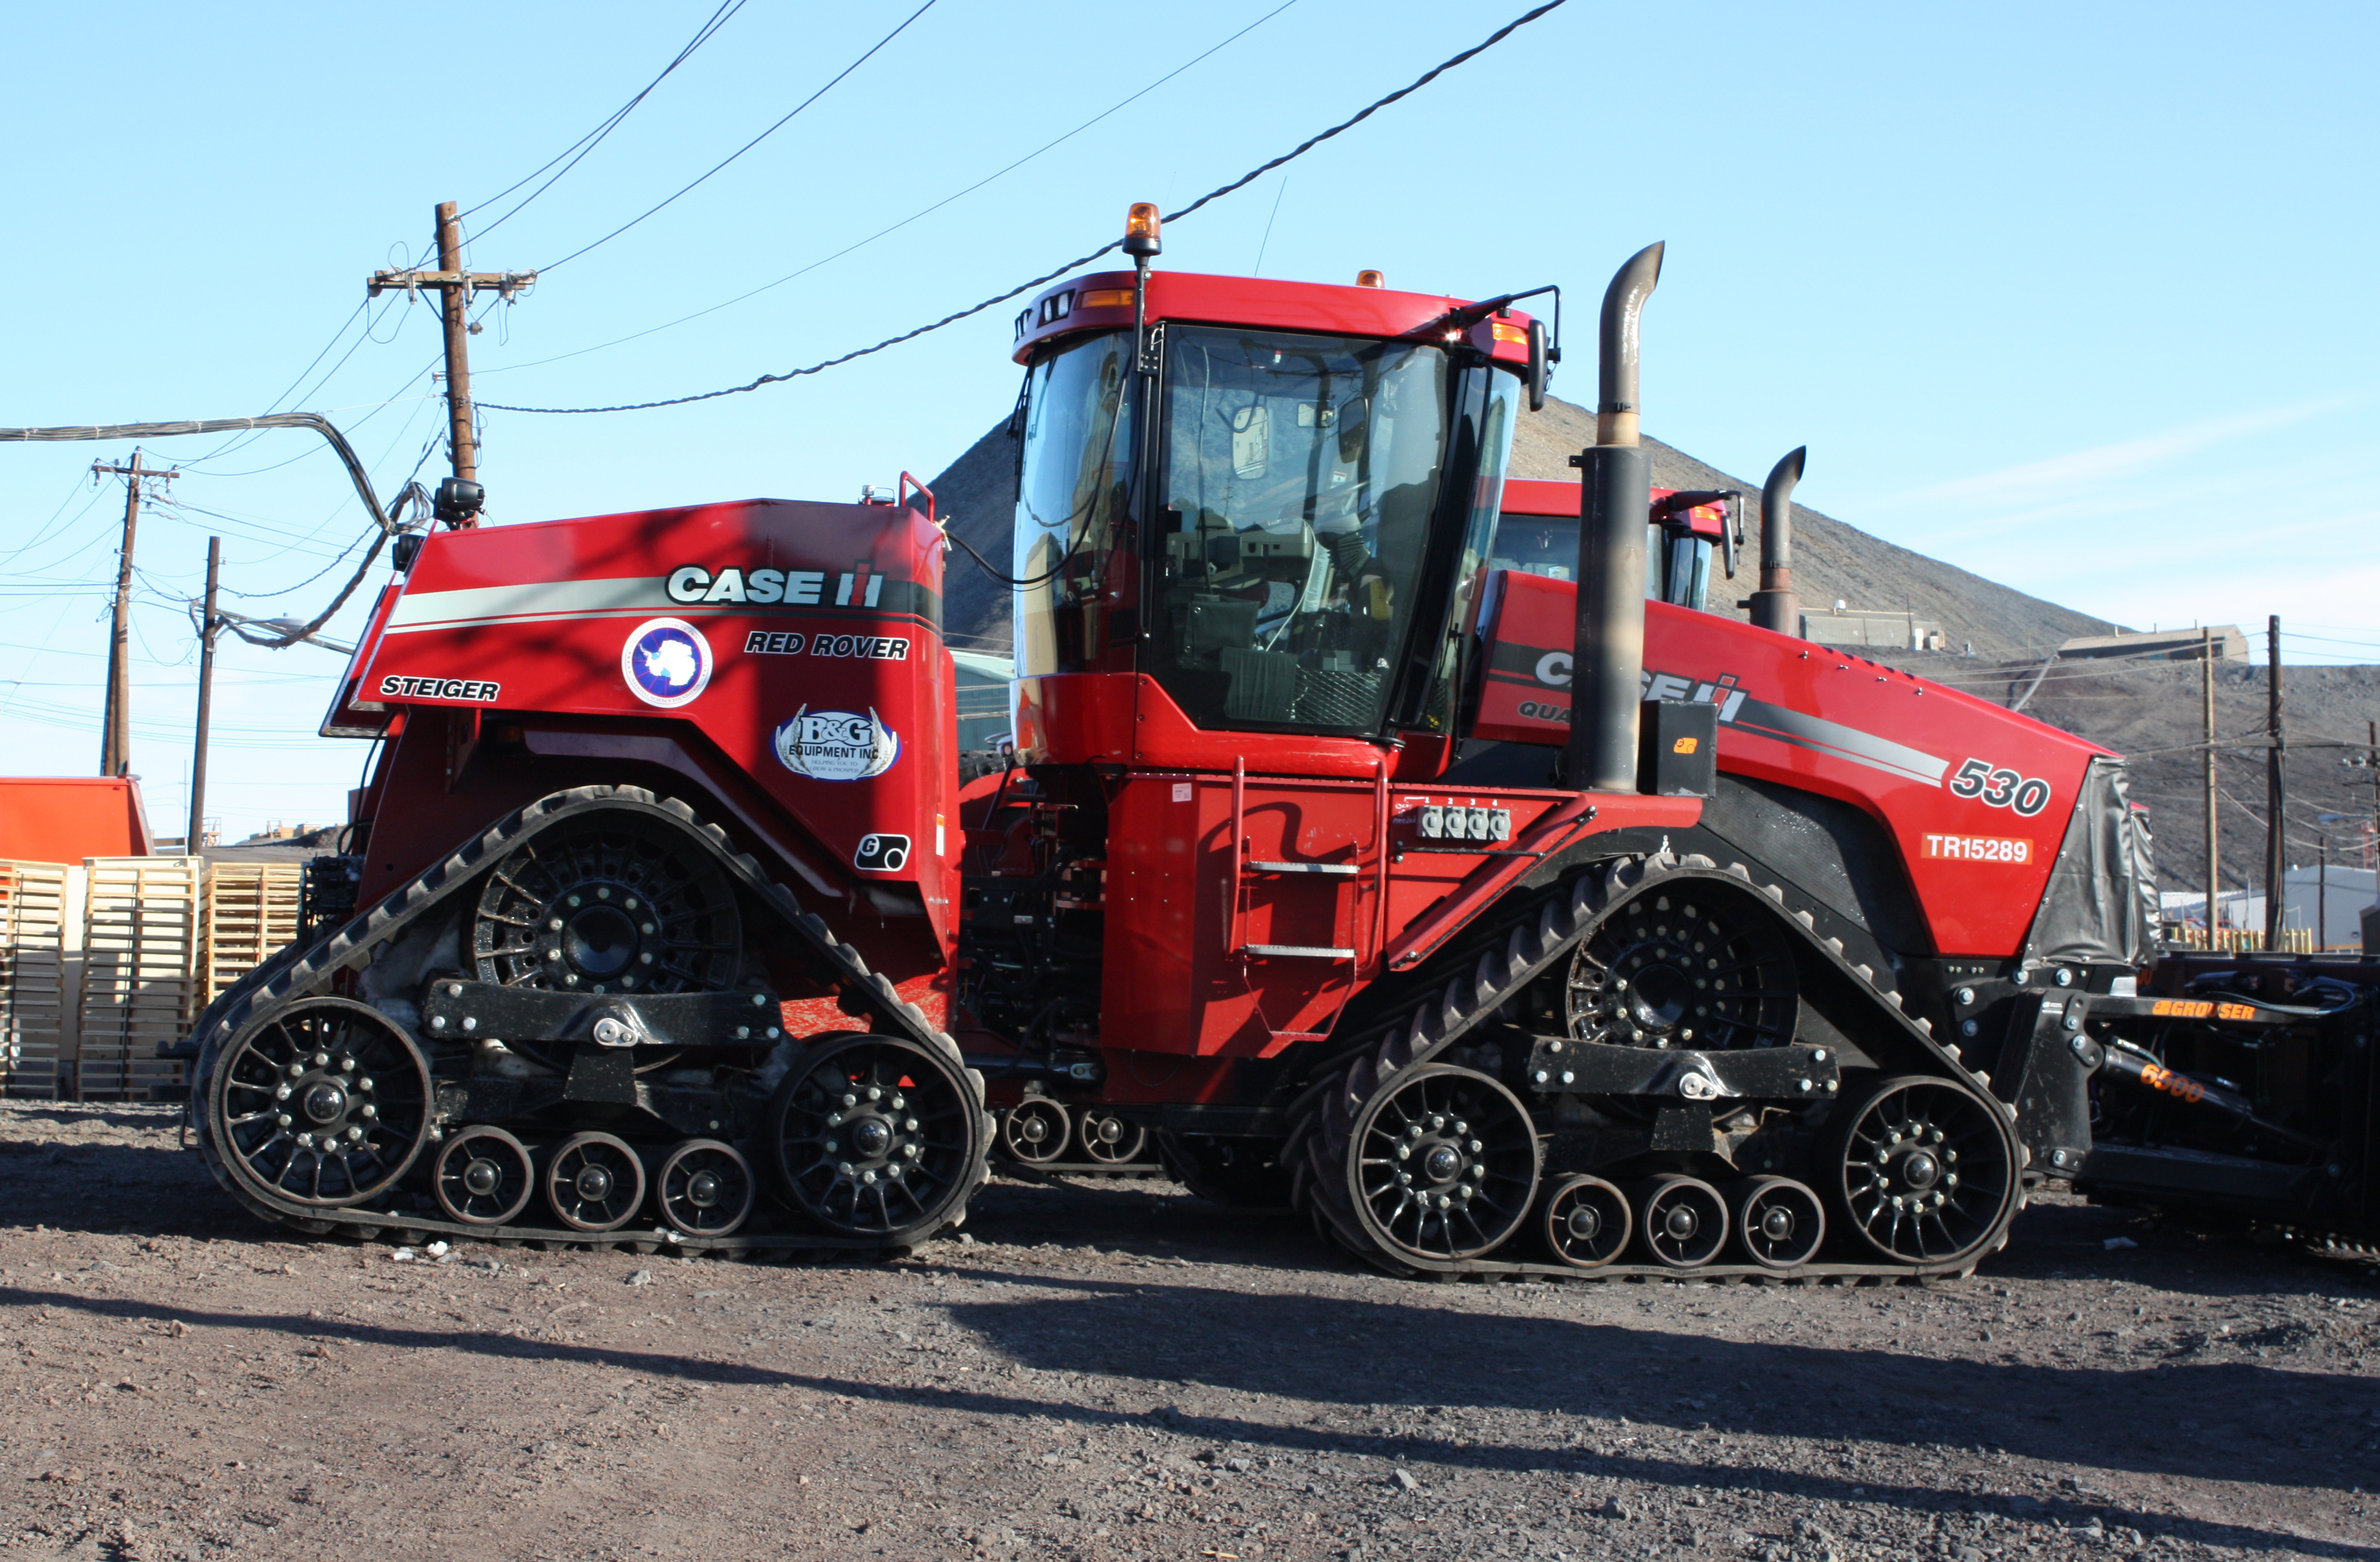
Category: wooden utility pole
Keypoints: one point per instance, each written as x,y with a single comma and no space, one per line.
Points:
2275,793
2214,860
192,842
115,725
458,505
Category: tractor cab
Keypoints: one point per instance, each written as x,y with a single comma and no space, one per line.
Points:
1270,499
1686,532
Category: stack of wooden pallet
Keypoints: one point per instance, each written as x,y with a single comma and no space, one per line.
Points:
140,976
251,910
39,925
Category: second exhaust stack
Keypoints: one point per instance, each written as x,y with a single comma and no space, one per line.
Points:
1608,651
1776,605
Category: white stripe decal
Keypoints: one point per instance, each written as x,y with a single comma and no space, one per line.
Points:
529,602
1804,730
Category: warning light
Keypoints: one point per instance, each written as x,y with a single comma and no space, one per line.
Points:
1370,279
1685,745
1506,331
1105,298
1140,225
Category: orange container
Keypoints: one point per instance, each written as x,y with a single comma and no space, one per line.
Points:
67,818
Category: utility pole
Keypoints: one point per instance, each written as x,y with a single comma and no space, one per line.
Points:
2275,794
115,725
2214,860
460,497
192,842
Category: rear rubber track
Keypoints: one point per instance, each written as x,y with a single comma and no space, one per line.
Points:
1519,952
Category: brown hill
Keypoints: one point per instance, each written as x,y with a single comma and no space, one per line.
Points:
1831,561
2151,712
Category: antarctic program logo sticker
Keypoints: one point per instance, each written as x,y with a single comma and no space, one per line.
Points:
666,662
836,745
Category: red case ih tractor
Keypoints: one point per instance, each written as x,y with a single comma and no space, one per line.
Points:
1497,922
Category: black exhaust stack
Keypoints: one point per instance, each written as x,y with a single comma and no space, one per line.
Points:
1774,605
1607,660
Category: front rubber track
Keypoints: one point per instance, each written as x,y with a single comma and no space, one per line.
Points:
311,973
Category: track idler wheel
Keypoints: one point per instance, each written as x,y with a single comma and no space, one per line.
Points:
1923,1171
705,1187
326,1102
1683,969
1035,1131
875,1136
609,904
1778,1222
1443,1162
1110,1141
1587,1222
1684,1221
595,1182
483,1176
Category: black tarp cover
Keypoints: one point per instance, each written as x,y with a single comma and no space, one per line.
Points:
2101,905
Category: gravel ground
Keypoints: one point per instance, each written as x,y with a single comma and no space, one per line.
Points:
1118,1371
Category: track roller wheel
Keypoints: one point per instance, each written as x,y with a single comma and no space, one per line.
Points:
705,1187
1110,1140
1035,1131
594,1182
483,1176
325,1104
1684,1221
1444,1165
875,1136
1587,1222
1778,1222
1924,1171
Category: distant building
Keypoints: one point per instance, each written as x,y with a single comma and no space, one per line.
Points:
2329,902
2181,645
1897,629
2234,908
983,682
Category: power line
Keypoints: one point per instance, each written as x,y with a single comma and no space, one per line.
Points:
594,138
753,142
1300,150
914,216
2295,634
236,440
587,142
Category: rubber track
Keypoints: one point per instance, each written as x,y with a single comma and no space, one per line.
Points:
1323,1116
309,973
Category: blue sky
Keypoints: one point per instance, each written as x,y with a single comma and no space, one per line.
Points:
2077,297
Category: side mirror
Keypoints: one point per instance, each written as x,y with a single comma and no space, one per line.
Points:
1540,366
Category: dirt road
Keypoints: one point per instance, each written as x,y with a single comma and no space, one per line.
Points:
1119,1370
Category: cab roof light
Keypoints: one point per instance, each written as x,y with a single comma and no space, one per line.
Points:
1104,298
1371,279
1140,231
